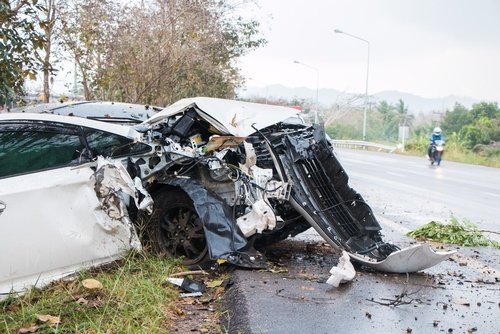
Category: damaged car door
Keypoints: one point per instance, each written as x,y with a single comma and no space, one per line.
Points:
52,222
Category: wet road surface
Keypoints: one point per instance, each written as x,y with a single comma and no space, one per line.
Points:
408,189
451,298
461,295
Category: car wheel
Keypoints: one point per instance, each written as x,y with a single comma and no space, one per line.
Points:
175,228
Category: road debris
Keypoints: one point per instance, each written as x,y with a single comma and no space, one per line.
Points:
190,272
187,285
190,294
343,272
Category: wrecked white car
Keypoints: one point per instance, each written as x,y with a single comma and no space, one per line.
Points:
226,178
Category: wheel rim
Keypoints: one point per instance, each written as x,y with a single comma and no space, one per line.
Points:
181,234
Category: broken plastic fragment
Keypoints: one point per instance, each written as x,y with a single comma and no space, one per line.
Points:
408,260
259,218
187,285
190,294
342,272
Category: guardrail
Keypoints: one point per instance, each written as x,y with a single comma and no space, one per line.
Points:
363,144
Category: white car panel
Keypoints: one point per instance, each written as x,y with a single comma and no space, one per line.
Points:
236,118
408,260
52,225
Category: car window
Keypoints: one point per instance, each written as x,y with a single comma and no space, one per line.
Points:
28,148
112,145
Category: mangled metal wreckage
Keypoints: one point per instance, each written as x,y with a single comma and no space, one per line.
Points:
226,177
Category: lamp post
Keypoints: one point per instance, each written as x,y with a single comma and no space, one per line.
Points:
338,31
317,85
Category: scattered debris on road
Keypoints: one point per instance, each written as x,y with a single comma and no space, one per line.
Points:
343,272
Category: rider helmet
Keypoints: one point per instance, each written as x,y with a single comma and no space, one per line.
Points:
437,130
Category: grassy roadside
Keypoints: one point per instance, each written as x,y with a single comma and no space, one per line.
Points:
461,156
455,152
133,298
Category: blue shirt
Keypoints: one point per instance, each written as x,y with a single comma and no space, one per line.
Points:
435,137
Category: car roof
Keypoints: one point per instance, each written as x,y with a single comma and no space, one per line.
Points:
122,130
111,112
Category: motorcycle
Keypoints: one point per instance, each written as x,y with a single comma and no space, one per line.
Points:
437,150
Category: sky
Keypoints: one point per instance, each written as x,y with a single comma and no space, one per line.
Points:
431,48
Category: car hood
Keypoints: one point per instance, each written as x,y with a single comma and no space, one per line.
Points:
230,117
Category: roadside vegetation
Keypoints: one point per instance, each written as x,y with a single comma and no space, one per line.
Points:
472,135
462,233
149,52
128,296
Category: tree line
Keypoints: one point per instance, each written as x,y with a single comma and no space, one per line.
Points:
469,132
153,52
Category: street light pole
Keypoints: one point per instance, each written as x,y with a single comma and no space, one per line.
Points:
317,86
338,31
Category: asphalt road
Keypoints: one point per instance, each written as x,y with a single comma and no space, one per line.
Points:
461,295
408,189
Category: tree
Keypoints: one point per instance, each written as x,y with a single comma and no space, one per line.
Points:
157,52
20,42
345,104
47,20
456,119
489,110
387,111
484,126
188,48
405,119
87,30
477,133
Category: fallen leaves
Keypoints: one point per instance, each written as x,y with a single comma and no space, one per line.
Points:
31,329
89,300
214,283
49,319
42,319
92,284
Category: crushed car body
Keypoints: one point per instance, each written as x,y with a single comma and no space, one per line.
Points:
282,179
223,178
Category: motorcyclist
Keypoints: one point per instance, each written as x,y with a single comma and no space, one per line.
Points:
435,135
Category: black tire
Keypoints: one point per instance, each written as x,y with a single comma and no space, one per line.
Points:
175,228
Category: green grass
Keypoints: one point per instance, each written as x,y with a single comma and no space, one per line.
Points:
462,233
134,299
455,152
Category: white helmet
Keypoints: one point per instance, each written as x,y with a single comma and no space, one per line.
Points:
437,130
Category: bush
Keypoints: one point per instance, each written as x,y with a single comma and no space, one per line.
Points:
460,233
343,131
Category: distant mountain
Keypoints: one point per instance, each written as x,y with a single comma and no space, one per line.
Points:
416,104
